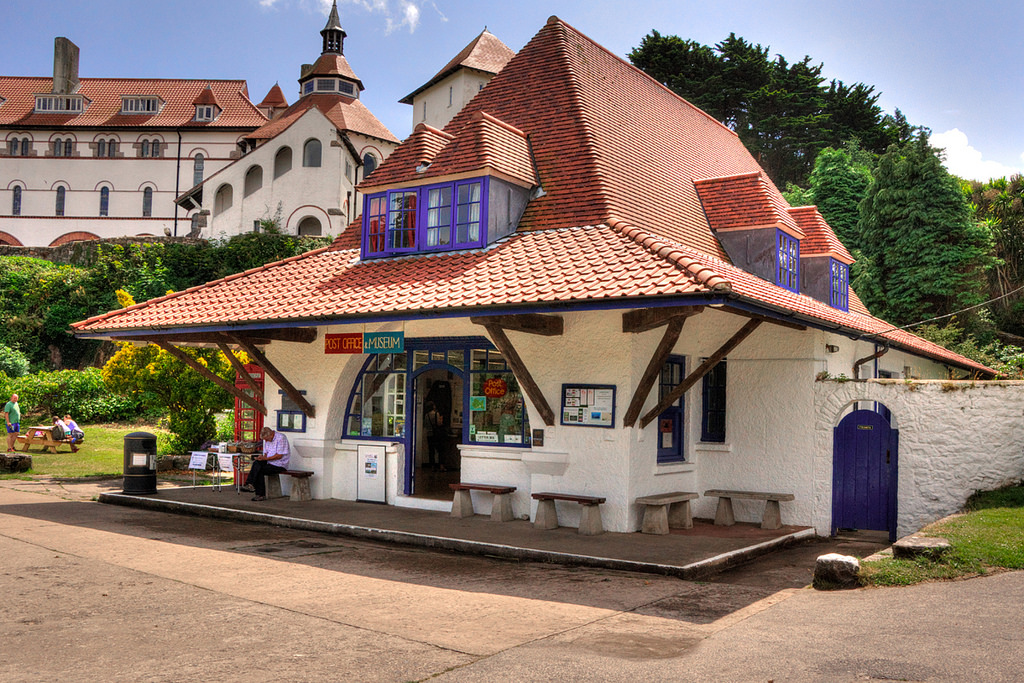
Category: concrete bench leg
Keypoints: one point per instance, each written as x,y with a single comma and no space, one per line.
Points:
546,518
723,515
655,519
772,515
501,508
462,505
301,490
679,515
590,521
273,486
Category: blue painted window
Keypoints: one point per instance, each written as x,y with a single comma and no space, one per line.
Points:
670,422
839,274
787,262
712,422
290,418
430,218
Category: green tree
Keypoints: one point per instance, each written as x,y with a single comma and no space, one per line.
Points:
838,184
926,255
999,204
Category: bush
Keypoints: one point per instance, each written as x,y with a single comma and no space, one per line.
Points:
82,394
225,426
13,363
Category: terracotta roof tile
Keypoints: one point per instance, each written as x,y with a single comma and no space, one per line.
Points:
744,200
819,238
346,113
333,64
207,96
275,98
419,148
484,53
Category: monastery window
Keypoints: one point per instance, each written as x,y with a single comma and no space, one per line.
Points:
205,112
282,161
147,202
431,218
310,226
839,276
369,164
787,263
712,422
311,153
104,201
106,148
670,422
17,147
149,148
16,201
59,204
26,147
63,147
140,105
58,103
222,200
307,87
253,180
198,163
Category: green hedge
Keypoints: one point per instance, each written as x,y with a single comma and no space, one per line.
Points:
83,395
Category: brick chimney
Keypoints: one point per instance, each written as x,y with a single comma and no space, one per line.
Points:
65,66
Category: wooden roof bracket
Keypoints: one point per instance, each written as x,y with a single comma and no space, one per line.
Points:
531,323
644,319
673,329
703,369
261,360
240,369
205,372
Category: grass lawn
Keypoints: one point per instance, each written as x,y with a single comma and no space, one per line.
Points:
990,535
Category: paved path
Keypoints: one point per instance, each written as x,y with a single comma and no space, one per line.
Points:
94,592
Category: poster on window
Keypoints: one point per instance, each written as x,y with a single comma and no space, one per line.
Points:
588,405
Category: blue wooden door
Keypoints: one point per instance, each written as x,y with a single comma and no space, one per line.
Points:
864,473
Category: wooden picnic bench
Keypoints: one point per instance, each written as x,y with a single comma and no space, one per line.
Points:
547,516
501,508
666,511
772,518
300,485
42,437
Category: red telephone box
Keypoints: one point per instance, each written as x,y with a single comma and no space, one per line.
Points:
248,420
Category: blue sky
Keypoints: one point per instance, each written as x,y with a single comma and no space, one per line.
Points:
951,66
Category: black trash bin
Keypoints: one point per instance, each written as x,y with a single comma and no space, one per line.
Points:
139,463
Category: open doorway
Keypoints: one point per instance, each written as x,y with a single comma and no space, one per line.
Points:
437,418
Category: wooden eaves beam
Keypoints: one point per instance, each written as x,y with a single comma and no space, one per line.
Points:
301,335
701,370
764,318
261,360
205,372
530,323
240,369
673,329
644,319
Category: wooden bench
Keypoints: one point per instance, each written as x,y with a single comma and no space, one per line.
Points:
547,517
501,508
41,437
666,511
772,518
300,485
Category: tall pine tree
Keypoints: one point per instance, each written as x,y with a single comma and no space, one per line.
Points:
839,182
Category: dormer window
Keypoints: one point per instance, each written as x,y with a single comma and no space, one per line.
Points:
72,104
134,104
787,262
444,216
205,112
839,275
331,85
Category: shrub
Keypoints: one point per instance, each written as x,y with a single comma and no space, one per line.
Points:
82,394
13,363
225,426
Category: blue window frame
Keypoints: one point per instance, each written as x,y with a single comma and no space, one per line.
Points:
437,217
712,421
839,275
290,418
787,262
670,422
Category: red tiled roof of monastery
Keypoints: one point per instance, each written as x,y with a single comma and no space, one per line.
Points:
103,103
819,238
346,113
206,97
419,148
484,53
275,98
745,200
333,64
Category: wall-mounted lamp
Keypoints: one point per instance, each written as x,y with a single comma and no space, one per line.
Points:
831,348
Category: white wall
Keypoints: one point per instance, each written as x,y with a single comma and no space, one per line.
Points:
439,104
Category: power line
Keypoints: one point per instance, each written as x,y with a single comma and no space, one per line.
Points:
947,315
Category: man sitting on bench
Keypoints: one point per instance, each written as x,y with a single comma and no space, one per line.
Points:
276,454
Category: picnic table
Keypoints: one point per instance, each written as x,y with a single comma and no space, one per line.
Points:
41,436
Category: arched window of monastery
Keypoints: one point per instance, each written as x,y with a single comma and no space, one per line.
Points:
253,180
223,199
104,201
310,226
282,161
147,202
198,164
59,204
311,154
16,201
369,164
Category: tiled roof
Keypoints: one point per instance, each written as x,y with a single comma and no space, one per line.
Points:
484,53
345,113
103,96
275,98
206,97
819,238
419,148
744,200
333,64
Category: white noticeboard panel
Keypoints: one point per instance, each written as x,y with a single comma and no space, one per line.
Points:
370,479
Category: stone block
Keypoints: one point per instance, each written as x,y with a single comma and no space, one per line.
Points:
920,546
11,463
834,571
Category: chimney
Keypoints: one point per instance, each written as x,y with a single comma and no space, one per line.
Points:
65,66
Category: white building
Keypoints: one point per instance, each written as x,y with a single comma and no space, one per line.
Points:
85,158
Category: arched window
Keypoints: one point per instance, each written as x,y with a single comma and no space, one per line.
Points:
282,161
223,199
369,164
197,169
101,148
16,201
58,147
26,147
59,207
12,147
68,147
145,148
154,151
310,226
253,180
112,148
104,201
147,202
311,154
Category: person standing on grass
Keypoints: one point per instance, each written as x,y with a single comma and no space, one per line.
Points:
276,454
12,416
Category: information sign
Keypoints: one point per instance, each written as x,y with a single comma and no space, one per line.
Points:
198,460
588,405
365,342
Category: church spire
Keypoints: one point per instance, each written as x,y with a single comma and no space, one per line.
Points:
333,33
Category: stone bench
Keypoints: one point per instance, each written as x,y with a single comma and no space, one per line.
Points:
300,485
772,518
501,509
547,516
666,511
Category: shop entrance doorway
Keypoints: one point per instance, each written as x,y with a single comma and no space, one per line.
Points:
437,412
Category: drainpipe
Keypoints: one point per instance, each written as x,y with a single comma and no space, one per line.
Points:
877,354
177,183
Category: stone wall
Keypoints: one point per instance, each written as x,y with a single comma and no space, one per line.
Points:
83,252
955,438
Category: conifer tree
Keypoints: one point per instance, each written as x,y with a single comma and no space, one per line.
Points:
838,184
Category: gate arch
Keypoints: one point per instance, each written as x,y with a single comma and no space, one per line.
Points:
865,465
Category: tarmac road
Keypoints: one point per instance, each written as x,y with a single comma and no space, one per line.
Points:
91,592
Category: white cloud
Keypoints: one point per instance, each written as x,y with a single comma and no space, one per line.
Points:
397,14
965,161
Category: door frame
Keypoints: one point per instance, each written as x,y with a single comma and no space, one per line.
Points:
891,445
409,485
